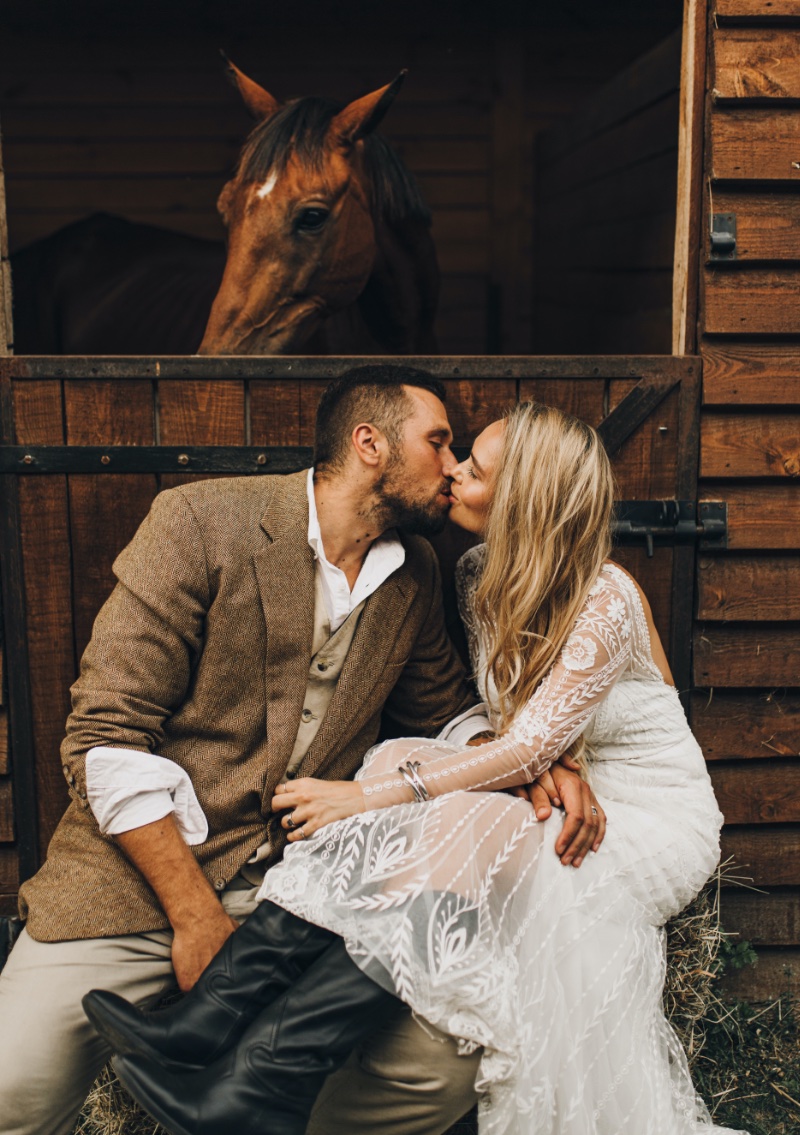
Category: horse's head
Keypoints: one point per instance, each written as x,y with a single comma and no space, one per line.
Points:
300,219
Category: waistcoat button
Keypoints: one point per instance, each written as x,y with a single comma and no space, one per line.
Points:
322,666
306,715
219,884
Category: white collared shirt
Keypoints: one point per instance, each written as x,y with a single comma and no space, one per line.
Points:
128,788
386,555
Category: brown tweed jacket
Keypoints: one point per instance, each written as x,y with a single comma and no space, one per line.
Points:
201,655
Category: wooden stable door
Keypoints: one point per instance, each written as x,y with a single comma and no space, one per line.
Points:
89,443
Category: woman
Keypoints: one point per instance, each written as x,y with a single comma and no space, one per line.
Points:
444,888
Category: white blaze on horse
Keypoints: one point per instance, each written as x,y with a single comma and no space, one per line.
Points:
329,252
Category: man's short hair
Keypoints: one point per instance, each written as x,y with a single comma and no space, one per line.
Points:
371,394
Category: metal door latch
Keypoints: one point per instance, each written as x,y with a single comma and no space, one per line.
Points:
722,241
669,522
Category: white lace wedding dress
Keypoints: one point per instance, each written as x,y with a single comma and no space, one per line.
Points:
461,906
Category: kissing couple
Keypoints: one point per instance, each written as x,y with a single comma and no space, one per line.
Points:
437,895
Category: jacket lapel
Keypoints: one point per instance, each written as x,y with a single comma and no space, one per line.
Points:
373,642
284,570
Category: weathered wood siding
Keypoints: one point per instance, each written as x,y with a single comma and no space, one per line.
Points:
8,857
747,641
605,202
149,129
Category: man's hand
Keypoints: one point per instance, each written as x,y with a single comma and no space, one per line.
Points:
190,903
196,943
585,821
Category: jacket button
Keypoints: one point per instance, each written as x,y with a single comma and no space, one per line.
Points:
219,885
291,773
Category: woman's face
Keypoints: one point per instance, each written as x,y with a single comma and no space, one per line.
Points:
473,480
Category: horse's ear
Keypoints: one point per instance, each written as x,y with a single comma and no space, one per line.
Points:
259,102
361,117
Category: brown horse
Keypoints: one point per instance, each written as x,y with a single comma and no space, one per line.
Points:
329,252
329,245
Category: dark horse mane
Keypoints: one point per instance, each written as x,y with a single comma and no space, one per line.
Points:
300,128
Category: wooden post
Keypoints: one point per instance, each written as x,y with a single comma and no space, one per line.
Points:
6,334
688,236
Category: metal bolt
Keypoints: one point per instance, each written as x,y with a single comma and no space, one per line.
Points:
105,459
183,458
261,459
663,429
27,459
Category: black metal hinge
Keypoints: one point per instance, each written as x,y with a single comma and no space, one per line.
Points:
668,522
722,238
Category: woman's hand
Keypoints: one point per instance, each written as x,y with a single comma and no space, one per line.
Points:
310,804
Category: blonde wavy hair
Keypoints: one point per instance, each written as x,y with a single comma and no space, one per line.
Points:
548,535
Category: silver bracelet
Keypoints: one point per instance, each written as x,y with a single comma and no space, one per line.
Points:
410,774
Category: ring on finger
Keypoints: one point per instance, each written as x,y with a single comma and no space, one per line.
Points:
291,825
594,811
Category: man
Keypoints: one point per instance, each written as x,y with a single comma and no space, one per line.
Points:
258,630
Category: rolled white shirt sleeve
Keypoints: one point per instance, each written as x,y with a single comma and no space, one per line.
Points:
467,725
128,788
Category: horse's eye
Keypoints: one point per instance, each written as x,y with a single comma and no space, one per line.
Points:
311,220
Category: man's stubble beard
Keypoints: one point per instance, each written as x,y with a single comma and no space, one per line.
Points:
396,508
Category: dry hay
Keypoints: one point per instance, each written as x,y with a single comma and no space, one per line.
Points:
694,940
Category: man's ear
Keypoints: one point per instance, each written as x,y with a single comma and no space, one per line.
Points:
369,444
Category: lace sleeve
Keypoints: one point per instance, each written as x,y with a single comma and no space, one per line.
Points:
593,658
467,576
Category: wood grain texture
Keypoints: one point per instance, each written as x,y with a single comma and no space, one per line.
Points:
646,465
765,792
48,593
766,856
767,224
750,374
584,398
275,412
755,144
756,64
6,811
774,975
757,301
472,404
752,588
750,445
44,515
689,205
105,511
746,655
763,920
4,751
761,11
759,516
742,725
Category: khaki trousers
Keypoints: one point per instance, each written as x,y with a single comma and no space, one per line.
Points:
401,1081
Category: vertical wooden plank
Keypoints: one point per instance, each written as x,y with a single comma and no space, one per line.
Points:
198,412
105,510
583,398
311,390
275,411
6,327
688,236
473,403
44,521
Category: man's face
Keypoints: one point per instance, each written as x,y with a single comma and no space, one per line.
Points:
413,489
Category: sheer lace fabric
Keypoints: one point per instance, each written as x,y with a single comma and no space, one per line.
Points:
461,906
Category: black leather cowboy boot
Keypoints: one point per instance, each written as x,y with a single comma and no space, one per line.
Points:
255,966
268,1083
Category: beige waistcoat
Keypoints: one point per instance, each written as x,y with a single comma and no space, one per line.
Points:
328,654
